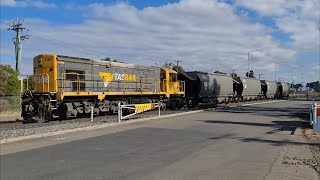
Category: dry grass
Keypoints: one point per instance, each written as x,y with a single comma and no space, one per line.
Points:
309,134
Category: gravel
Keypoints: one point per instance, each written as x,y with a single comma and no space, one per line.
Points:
315,150
7,132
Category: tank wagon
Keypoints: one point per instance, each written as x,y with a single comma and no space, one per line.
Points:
270,89
68,87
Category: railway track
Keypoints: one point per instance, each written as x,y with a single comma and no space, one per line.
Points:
8,124
11,129
5,124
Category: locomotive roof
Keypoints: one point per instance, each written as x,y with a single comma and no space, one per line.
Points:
102,62
219,74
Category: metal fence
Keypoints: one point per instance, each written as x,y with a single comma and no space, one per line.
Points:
9,103
305,95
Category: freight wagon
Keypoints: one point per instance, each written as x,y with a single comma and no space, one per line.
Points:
203,88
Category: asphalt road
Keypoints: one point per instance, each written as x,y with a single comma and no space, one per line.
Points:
234,143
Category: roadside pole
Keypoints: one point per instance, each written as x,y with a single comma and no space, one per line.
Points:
315,119
318,118
119,112
91,114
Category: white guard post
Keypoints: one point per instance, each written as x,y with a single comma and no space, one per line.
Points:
315,118
91,114
138,108
311,114
318,118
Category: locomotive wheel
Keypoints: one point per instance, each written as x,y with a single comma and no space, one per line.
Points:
173,105
41,114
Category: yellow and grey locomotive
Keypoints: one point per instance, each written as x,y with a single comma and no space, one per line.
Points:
68,87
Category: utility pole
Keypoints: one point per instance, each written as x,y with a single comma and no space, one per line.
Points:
319,76
17,26
178,62
275,71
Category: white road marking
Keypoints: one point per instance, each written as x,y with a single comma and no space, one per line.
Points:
263,103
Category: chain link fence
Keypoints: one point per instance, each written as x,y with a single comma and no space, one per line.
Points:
9,103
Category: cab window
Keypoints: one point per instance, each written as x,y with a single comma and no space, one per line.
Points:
173,77
162,76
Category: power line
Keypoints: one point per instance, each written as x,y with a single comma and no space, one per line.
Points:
66,44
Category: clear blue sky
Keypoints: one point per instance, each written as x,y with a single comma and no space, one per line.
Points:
217,33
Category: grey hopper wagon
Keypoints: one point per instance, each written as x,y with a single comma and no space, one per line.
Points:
207,88
284,89
248,89
270,89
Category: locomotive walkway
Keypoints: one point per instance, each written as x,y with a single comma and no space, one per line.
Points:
249,142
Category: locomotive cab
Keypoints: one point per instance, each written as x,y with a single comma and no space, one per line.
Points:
170,84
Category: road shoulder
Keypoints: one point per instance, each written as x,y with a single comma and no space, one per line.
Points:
295,161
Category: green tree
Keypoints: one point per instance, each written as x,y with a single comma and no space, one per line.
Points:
30,83
106,59
297,86
172,66
3,82
168,65
178,68
314,85
11,83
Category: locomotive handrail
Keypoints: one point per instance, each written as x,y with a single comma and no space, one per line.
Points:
64,80
78,81
164,85
182,86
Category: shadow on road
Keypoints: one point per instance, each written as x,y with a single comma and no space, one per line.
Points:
280,125
290,119
272,142
301,112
